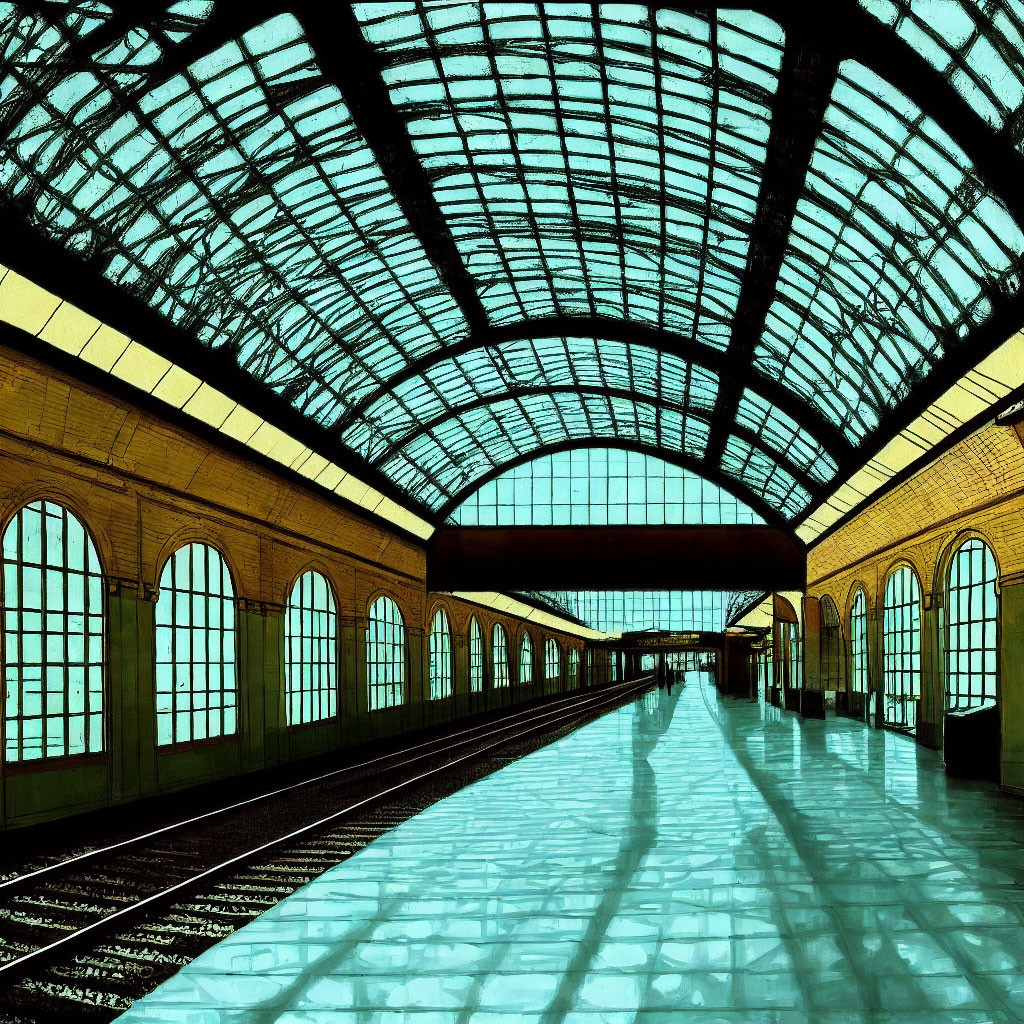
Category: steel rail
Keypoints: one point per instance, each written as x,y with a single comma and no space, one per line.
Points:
16,967
28,876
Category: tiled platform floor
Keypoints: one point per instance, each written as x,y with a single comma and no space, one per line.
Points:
685,859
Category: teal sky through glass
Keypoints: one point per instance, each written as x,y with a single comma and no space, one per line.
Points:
618,611
592,178
598,487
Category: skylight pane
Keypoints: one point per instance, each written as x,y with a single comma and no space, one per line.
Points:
236,197
600,487
895,248
590,160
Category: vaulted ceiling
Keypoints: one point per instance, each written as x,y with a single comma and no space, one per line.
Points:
754,240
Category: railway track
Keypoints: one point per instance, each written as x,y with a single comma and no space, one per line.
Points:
82,937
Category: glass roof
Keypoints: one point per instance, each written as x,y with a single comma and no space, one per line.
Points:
576,238
600,487
976,47
589,160
895,249
628,611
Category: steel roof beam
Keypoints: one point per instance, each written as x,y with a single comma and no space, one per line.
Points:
806,417
627,394
805,87
347,60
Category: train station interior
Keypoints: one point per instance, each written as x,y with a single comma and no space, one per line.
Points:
512,512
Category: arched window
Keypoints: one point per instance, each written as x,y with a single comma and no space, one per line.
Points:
476,656
830,644
972,653
52,599
859,643
574,669
552,663
526,661
796,661
901,648
196,689
440,656
311,651
499,650
385,655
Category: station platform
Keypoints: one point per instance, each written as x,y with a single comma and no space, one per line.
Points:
686,858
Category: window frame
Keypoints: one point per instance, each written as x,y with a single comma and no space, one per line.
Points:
525,658
90,552
444,655
965,544
859,665
476,656
335,668
175,745
372,686
503,678
904,571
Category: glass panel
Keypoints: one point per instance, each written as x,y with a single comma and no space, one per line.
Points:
265,226
596,160
859,642
895,251
195,647
385,655
972,649
901,648
476,657
976,46
311,651
600,486
616,611
51,602
440,656
500,657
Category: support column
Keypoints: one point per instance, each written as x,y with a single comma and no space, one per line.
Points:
1011,682
812,699
132,624
933,674
460,671
875,680
618,667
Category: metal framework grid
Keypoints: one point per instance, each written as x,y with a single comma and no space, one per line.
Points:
859,643
311,651
196,684
901,648
440,656
972,650
499,654
51,646
743,242
597,486
476,656
385,655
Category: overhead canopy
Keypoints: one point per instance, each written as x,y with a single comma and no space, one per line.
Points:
453,236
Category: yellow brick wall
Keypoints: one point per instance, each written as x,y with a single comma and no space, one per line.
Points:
977,486
143,487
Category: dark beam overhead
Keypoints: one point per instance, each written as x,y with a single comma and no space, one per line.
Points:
628,332
713,473
629,395
347,60
805,87
615,558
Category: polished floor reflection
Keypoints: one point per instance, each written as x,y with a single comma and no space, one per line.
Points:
687,858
